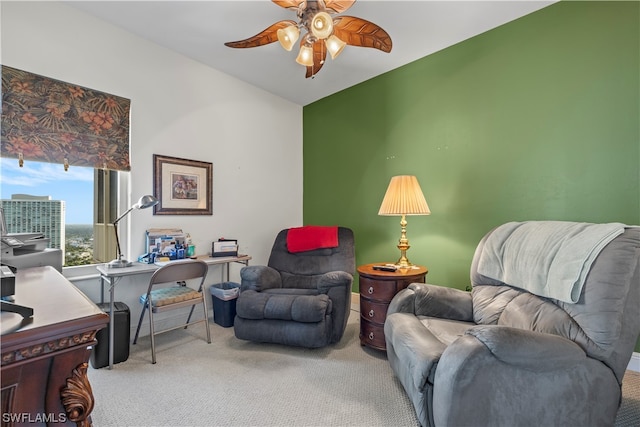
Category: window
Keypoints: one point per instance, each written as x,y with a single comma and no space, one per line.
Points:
74,209
105,211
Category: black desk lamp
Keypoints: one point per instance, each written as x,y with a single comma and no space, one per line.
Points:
144,203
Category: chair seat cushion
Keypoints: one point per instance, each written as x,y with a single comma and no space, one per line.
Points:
419,341
282,306
170,295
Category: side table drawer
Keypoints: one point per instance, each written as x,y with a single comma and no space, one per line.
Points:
373,311
381,290
372,335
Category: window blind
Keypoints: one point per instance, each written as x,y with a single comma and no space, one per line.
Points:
48,120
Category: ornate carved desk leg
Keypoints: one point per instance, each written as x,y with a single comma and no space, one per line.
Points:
77,397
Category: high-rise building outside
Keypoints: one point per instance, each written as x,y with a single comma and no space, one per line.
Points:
36,214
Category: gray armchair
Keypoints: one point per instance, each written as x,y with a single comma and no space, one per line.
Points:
503,356
299,299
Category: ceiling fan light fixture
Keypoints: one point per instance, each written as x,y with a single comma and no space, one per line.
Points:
323,32
305,56
288,36
322,25
334,46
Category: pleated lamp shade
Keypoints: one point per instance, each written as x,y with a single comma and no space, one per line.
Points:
404,197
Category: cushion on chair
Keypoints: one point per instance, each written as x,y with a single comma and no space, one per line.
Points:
300,308
171,295
293,281
420,341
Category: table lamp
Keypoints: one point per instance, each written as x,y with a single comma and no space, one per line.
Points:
404,197
144,203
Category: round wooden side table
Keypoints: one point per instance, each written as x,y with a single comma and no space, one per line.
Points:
377,289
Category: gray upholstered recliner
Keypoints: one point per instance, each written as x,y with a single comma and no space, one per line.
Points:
299,299
502,356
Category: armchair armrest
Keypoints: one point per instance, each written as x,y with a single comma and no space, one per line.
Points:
337,286
259,277
424,299
334,279
536,379
530,350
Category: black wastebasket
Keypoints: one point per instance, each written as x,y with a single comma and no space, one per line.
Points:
224,296
100,353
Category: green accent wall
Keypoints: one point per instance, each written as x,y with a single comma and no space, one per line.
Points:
536,119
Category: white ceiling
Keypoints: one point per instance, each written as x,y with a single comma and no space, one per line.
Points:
199,29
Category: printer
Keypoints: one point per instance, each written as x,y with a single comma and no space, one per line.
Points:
24,250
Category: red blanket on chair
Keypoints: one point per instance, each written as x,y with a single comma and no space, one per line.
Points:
310,237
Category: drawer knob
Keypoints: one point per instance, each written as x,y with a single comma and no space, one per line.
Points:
371,335
370,290
371,313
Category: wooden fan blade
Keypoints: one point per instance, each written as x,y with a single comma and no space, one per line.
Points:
360,32
319,56
338,6
291,4
262,38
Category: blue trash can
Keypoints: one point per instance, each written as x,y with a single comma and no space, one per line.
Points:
224,296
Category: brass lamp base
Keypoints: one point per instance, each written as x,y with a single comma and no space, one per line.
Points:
403,262
119,263
403,245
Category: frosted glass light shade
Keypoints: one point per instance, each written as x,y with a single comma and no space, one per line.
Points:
305,56
334,46
404,197
288,36
322,25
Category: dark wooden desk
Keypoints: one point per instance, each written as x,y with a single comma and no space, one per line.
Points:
44,359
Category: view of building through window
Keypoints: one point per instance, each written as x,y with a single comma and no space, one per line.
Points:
43,198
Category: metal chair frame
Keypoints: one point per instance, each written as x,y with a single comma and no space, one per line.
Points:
175,272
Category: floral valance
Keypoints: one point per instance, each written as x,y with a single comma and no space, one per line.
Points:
47,120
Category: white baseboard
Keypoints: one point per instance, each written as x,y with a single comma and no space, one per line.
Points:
634,363
355,301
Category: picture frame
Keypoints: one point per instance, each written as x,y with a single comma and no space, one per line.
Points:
182,187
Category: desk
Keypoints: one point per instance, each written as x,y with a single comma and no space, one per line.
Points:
44,358
113,275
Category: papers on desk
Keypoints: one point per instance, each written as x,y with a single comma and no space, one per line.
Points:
162,240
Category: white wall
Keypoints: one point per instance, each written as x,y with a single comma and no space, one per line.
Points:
179,108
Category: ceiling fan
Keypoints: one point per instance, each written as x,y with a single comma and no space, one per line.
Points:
324,33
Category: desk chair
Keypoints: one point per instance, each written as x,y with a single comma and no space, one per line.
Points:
177,296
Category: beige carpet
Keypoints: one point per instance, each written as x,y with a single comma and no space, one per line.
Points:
236,383
629,412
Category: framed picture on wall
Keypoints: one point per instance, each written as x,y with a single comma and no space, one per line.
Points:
182,187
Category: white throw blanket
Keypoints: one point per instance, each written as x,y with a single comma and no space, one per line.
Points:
547,258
